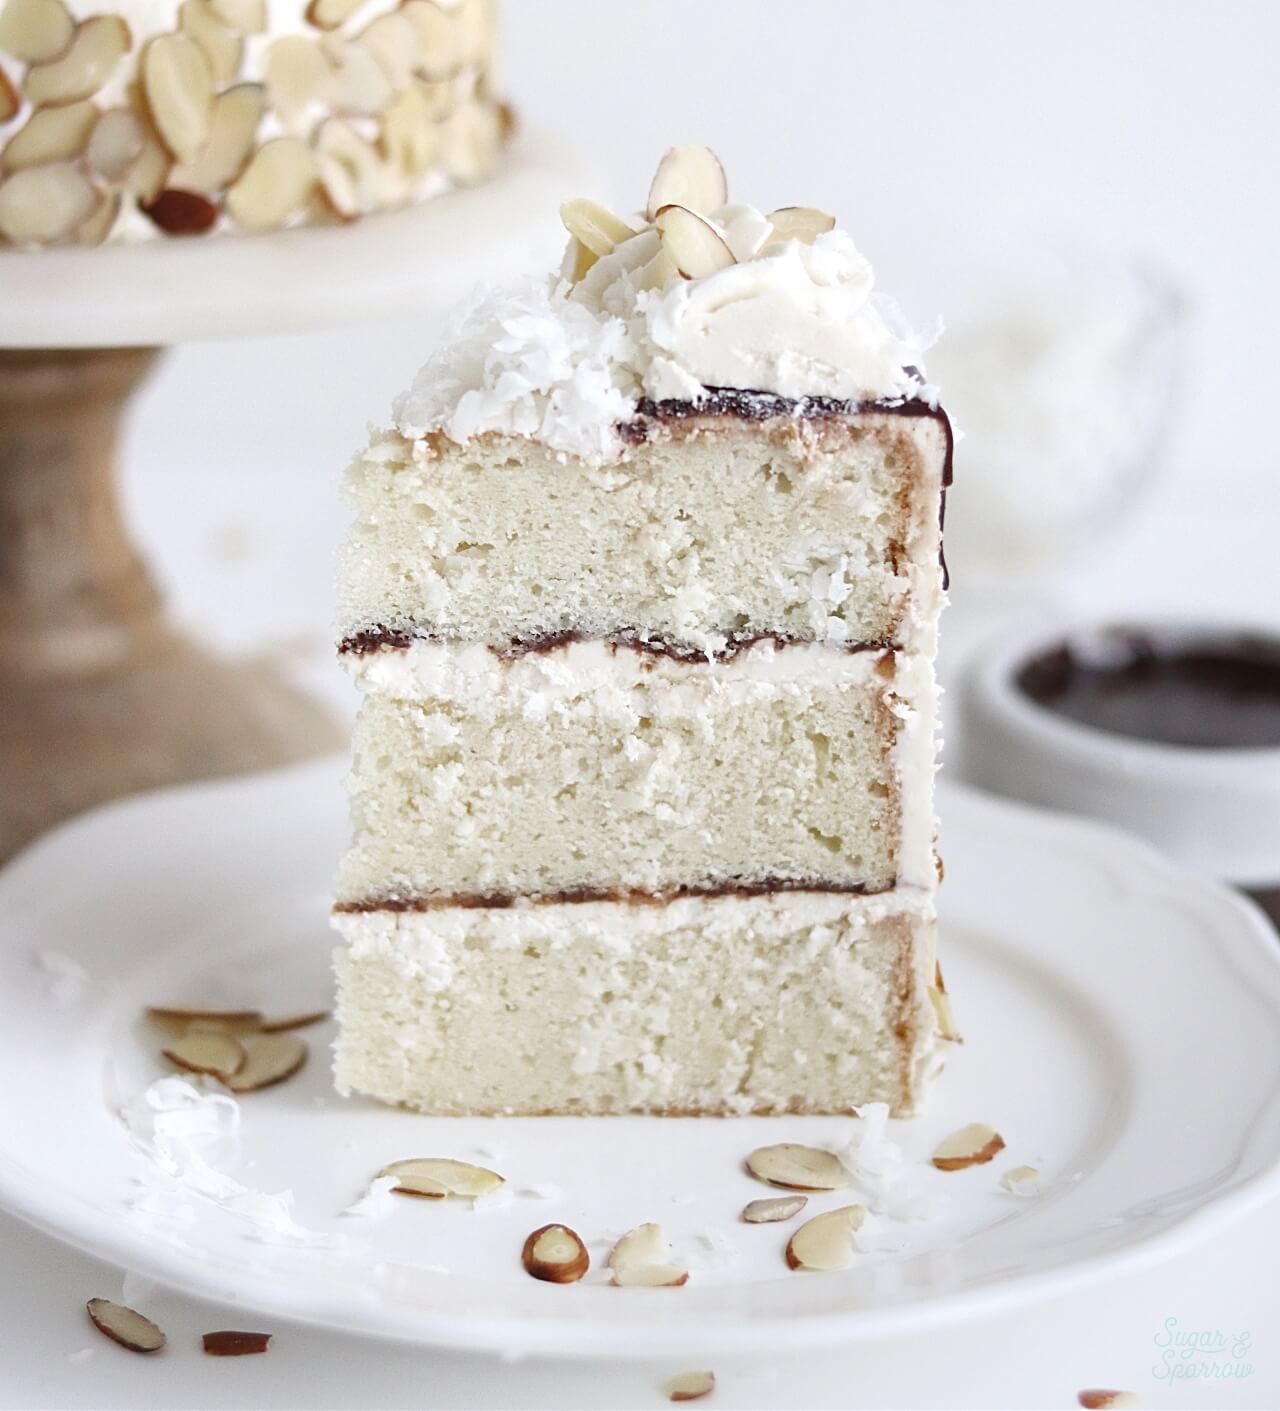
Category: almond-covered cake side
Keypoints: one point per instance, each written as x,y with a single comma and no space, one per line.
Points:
129,119
642,596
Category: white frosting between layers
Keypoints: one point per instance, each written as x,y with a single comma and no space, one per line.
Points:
565,364
420,945
470,674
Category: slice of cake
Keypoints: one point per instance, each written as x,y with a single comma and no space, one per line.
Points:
126,119
642,596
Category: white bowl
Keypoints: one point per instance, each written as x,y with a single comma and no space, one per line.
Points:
1214,809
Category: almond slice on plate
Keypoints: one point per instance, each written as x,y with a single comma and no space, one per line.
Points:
695,244
43,205
594,226
798,1168
773,1209
98,45
1100,1399
973,1145
179,1019
690,1386
642,1259
437,1177
302,1020
124,1326
269,1059
207,1051
51,135
691,177
35,31
230,1343
802,223
556,1255
826,1241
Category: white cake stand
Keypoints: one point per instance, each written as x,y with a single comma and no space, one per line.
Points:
99,695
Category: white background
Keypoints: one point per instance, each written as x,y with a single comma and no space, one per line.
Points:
941,133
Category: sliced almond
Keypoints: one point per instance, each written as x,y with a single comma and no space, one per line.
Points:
694,244
470,142
594,226
177,1019
435,1178
410,142
973,1145
473,22
246,16
439,38
577,261
1100,1399
330,14
178,84
351,171
269,1059
802,223
147,175
101,223
10,102
1021,1180
944,1015
115,144
222,45
826,1241
295,73
98,45
355,83
642,1259
35,31
657,273
277,182
237,114
179,212
556,1255
51,135
691,177
393,39
44,205
690,1386
230,1343
301,1020
798,1168
124,1326
772,1210
207,1051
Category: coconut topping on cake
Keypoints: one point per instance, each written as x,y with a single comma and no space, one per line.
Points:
692,295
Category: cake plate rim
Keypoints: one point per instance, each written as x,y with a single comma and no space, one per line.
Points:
1195,933
304,279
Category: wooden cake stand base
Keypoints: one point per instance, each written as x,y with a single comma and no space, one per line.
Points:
99,695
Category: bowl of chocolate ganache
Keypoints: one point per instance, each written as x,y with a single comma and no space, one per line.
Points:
1170,730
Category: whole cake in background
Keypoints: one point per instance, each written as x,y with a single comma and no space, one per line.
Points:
127,119
642,596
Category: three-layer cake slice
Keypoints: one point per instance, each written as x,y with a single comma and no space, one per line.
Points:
642,792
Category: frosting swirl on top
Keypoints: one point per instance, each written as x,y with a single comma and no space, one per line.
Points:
732,298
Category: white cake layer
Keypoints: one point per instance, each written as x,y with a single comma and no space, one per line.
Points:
605,768
711,528
804,1002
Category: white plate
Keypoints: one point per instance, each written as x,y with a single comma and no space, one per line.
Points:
1121,1019
290,281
